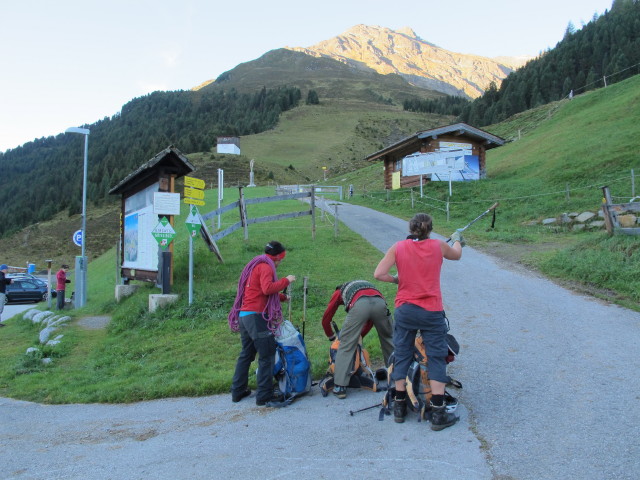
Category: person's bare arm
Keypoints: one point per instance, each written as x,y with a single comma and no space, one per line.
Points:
382,270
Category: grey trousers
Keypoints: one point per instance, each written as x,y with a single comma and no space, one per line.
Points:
256,339
365,308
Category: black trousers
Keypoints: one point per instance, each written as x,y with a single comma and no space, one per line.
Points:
256,339
60,299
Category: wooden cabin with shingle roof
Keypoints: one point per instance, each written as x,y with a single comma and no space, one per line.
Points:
453,152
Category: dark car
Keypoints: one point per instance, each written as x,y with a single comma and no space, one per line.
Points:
26,290
29,276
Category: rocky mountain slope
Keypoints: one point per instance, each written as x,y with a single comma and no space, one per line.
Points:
419,62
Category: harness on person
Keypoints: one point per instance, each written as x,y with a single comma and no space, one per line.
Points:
292,368
361,375
418,385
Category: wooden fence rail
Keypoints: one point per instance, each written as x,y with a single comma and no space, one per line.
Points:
614,214
244,222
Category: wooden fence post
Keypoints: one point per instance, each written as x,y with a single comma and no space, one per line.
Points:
608,220
313,212
243,214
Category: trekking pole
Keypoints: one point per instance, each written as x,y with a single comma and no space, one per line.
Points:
492,207
336,330
290,299
351,412
304,304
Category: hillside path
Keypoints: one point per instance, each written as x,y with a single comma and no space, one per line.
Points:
550,392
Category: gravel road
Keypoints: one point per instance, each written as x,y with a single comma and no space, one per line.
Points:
550,392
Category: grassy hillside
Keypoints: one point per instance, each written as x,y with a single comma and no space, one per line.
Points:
328,77
336,134
189,350
566,152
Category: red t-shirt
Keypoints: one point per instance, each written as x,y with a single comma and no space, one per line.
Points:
259,286
419,264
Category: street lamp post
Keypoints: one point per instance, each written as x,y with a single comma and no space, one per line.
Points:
80,296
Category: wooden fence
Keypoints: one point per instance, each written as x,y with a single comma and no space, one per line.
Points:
244,222
620,217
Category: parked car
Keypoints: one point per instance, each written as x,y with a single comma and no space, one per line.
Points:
25,275
26,290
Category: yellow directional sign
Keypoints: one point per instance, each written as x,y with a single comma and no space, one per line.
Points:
194,182
193,193
193,201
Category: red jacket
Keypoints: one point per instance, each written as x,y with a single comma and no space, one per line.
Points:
61,277
258,288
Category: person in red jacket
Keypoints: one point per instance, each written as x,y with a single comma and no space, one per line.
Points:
61,279
256,314
365,308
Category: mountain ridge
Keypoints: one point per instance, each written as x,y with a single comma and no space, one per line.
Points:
418,61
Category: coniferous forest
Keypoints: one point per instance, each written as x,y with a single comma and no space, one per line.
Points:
607,49
48,169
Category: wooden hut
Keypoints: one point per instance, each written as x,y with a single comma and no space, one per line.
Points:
455,152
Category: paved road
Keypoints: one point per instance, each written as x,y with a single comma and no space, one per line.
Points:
11,309
551,392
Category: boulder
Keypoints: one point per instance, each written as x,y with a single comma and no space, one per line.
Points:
585,217
42,316
29,314
627,221
596,224
45,333
549,221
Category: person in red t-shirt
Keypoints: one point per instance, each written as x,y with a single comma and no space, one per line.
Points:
365,308
418,260
256,314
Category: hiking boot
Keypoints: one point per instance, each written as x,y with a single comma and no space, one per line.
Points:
441,418
235,398
276,397
340,391
399,409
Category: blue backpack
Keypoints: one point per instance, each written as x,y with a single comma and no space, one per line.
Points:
292,369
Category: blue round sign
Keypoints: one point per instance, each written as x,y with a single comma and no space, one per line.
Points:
77,237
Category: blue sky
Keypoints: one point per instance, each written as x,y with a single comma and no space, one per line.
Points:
68,62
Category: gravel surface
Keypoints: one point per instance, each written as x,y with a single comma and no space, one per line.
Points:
550,392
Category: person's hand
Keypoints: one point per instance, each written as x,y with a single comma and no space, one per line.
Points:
457,237
291,278
332,337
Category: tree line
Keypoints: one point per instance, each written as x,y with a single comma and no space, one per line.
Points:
44,177
606,49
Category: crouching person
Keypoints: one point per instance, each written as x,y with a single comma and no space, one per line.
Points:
366,308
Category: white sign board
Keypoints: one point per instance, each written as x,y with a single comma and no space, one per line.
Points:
140,250
441,163
165,203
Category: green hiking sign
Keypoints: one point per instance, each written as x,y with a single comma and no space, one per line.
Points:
163,233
